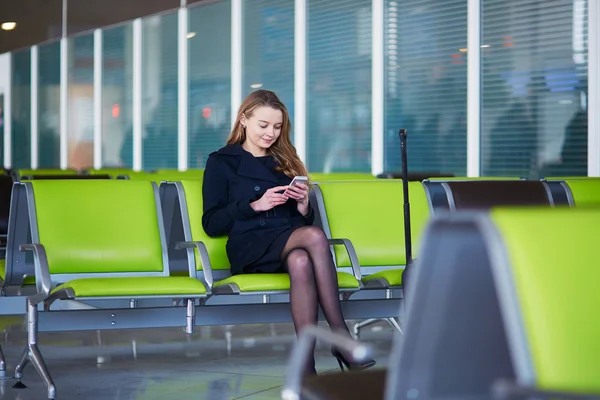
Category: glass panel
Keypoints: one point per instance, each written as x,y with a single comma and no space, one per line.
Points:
426,85
21,109
339,86
117,97
159,92
49,106
534,88
81,102
269,49
209,119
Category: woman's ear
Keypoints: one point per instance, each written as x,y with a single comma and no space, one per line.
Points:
243,120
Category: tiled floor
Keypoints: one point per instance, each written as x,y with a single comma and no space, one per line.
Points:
167,364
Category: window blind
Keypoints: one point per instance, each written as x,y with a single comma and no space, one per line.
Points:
426,85
534,87
209,70
159,92
339,86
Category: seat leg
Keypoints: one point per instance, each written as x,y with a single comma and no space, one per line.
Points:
359,325
32,354
395,324
3,375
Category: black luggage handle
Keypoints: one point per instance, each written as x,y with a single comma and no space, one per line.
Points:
407,234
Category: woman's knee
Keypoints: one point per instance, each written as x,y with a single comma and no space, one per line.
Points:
299,264
314,237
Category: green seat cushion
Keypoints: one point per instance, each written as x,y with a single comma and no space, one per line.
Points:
392,276
30,280
553,259
270,282
135,286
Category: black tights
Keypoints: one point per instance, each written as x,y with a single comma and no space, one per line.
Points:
313,279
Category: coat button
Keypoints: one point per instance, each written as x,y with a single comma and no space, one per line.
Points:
262,222
256,188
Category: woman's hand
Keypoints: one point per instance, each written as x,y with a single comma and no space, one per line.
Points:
299,192
270,199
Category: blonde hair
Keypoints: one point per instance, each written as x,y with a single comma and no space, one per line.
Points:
283,151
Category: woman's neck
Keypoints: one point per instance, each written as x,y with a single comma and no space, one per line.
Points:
255,151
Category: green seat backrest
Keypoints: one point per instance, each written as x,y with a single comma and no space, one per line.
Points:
164,177
49,171
215,246
141,176
98,226
479,178
114,172
187,172
568,178
340,176
585,192
554,264
371,215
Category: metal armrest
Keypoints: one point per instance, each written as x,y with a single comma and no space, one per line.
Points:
505,390
204,259
300,353
351,253
42,272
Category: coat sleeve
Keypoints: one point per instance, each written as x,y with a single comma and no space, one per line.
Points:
219,214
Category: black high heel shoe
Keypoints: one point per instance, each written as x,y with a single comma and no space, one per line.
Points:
350,365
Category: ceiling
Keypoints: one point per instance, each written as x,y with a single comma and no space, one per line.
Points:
41,20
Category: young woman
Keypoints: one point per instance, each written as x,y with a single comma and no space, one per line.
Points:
246,195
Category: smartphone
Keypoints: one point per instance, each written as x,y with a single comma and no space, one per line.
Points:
296,180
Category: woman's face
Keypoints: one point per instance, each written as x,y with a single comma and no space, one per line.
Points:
263,127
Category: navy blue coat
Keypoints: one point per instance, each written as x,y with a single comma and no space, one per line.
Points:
233,178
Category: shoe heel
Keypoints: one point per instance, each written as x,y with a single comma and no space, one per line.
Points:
341,364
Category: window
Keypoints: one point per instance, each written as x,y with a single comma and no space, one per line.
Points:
159,92
339,86
269,49
81,102
49,105
426,85
534,89
209,44
21,109
117,97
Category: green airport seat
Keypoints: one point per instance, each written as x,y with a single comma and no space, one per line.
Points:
340,176
560,349
582,192
504,307
77,221
508,300
99,240
209,256
370,215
